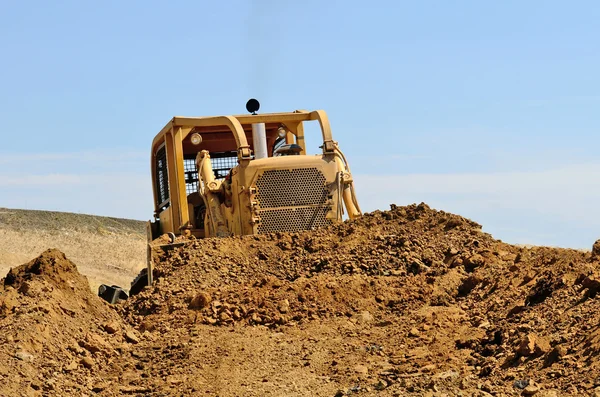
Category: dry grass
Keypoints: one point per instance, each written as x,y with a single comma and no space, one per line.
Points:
106,250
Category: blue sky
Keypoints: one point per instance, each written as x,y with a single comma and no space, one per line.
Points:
485,109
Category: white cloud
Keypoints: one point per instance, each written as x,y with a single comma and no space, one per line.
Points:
126,195
102,182
21,165
557,206
33,181
100,156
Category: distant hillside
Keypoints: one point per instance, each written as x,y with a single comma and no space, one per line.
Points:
106,250
19,220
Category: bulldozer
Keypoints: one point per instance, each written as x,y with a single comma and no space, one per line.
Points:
238,175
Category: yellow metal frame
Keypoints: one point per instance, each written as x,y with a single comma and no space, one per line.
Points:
178,128
292,120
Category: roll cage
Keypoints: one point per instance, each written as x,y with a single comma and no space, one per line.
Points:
173,172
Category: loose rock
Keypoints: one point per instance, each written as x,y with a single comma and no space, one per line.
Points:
414,332
530,390
111,327
87,362
131,337
24,356
596,250
200,301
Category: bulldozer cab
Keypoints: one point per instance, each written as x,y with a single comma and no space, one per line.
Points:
246,174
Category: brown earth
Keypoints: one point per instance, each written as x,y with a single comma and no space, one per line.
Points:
407,302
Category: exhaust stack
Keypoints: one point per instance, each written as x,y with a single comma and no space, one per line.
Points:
259,140
259,134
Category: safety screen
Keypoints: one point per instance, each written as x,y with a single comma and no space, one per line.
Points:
292,200
191,175
222,162
162,177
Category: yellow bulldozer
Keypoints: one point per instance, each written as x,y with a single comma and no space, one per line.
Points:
247,174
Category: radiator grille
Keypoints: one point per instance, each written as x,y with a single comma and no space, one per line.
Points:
292,219
302,189
282,188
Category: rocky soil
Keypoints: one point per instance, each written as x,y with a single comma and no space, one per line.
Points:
406,302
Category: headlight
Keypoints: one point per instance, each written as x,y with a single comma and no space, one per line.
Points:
196,138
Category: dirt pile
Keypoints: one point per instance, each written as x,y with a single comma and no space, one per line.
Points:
53,330
447,307
395,257
405,302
